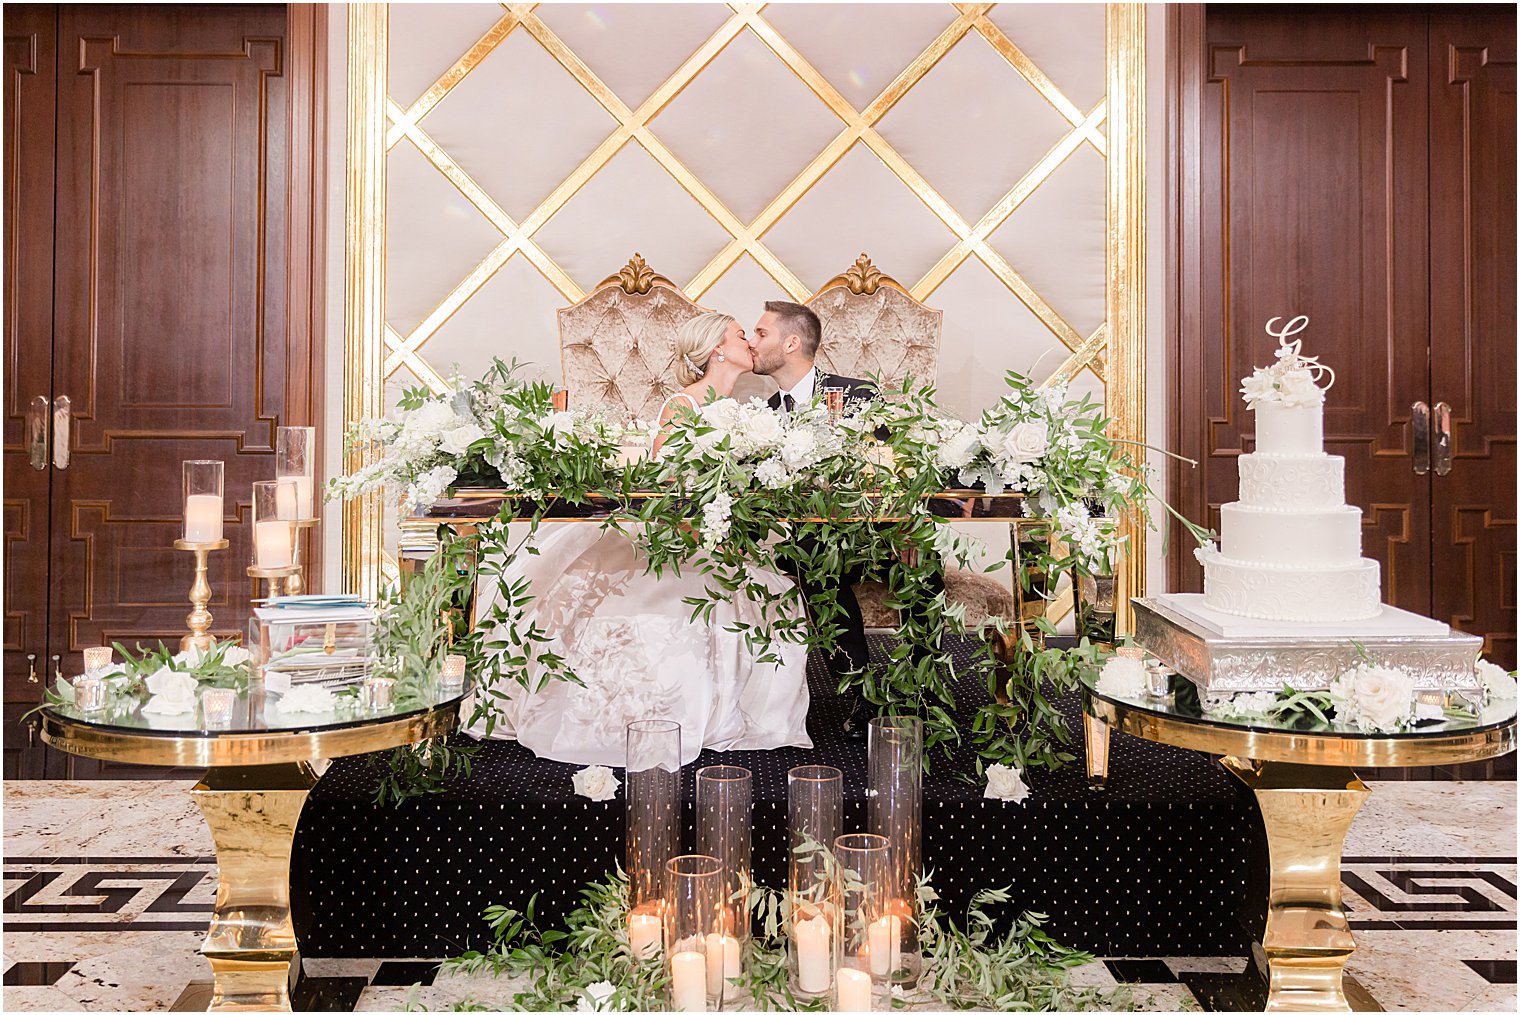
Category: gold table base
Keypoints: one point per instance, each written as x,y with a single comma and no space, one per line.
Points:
1307,810
252,811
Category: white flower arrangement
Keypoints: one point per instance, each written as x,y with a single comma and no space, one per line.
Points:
1373,698
313,698
1498,683
1121,677
1293,380
1247,705
173,692
595,783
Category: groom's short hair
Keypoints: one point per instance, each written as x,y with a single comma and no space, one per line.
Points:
796,319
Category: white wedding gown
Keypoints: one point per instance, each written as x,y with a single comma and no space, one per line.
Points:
630,638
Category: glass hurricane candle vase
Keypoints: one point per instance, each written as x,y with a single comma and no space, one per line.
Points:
701,957
724,827
295,460
202,505
870,933
652,838
814,805
895,754
273,531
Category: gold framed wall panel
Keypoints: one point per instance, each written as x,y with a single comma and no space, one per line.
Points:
1113,128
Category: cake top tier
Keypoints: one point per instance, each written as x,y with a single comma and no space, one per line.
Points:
1292,381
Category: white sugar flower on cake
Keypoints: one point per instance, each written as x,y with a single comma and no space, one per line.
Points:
1294,380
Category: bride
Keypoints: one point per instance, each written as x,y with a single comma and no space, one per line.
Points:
628,635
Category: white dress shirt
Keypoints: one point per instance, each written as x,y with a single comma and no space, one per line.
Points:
802,391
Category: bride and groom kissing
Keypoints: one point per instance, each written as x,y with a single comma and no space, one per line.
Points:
627,634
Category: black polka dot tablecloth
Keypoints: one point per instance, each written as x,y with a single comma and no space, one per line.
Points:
1156,864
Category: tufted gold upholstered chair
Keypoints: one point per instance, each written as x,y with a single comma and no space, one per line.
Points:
617,345
872,325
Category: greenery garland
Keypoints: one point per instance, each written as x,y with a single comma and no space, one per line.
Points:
742,484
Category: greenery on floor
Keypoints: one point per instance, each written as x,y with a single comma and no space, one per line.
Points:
589,966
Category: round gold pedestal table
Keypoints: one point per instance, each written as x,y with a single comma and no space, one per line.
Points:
1302,776
260,765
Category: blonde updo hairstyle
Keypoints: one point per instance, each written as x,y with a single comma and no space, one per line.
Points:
696,341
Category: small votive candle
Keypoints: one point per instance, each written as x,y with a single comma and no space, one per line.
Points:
645,931
688,981
1158,679
814,949
89,693
452,675
97,658
216,705
854,990
377,693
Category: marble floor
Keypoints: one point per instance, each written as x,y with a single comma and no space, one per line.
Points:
108,887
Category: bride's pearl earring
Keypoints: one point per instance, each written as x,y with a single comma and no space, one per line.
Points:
721,357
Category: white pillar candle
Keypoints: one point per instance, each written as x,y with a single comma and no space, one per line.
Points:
644,929
285,499
885,939
813,952
271,544
688,981
203,518
854,990
722,962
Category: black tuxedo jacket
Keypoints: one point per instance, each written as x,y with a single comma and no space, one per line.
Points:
855,389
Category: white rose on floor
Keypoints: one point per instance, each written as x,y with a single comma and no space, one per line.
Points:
596,782
1498,683
594,997
1373,698
1027,441
307,698
1122,678
457,440
173,692
1004,783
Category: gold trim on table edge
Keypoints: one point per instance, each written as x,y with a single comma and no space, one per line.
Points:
1446,748
235,749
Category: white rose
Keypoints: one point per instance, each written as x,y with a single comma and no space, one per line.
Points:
1373,698
594,997
307,698
1498,683
596,782
1004,783
1027,441
765,429
458,440
173,692
560,424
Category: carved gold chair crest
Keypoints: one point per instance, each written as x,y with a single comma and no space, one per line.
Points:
617,346
872,326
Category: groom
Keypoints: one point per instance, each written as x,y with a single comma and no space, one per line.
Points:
785,345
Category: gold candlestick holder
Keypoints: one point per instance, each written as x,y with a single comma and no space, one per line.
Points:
273,575
296,584
199,617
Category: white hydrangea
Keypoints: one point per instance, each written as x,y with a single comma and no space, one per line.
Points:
956,449
772,474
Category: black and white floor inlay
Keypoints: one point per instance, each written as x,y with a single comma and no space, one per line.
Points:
109,887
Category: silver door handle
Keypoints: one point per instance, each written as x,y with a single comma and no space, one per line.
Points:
1419,420
62,415
37,432
1441,438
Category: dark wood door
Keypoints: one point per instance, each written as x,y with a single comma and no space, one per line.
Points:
1472,321
1362,173
169,314
30,87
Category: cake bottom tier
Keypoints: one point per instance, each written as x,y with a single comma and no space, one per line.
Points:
1274,592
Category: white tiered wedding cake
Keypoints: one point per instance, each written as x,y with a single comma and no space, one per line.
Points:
1290,548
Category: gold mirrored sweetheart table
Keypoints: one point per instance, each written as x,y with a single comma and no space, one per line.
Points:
1302,776
260,768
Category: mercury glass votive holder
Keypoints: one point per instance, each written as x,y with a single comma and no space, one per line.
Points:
653,785
724,826
216,706
693,914
377,693
870,928
895,810
451,675
89,693
97,658
1158,679
814,819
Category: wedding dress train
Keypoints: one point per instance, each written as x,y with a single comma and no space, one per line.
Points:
630,639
